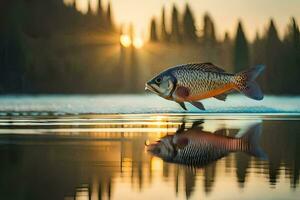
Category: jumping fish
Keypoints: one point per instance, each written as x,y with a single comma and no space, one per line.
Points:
198,148
194,82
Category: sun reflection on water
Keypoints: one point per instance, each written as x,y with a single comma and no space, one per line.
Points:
115,165
156,164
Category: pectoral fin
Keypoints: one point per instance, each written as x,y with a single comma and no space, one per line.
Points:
221,97
182,105
182,92
198,105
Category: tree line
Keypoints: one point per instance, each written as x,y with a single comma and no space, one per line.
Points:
28,39
48,47
280,55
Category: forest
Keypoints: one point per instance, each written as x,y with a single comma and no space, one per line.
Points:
50,47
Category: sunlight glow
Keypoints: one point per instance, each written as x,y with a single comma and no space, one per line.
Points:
224,13
83,5
138,42
125,40
156,164
147,142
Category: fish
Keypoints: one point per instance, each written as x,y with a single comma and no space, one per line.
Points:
197,81
198,148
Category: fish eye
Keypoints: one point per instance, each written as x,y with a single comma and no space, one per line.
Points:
157,151
158,80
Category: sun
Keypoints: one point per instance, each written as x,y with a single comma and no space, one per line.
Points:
125,40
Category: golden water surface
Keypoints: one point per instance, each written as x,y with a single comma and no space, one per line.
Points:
96,157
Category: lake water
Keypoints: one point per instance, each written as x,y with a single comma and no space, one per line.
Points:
62,148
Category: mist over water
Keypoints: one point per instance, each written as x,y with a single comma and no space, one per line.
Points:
47,105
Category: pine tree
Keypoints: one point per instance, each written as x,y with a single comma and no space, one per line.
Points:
12,52
100,9
175,33
241,51
74,5
164,33
209,35
226,52
100,13
89,22
189,29
109,19
257,55
134,71
291,63
153,31
90,12
210,50
257,50
226,38
273,53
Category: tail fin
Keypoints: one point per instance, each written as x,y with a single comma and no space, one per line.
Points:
245,82
250,142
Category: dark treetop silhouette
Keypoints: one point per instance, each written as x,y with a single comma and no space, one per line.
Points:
49,47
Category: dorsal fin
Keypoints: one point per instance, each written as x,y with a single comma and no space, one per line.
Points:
211,67
207,63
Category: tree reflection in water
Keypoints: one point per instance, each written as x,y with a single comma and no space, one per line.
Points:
114,165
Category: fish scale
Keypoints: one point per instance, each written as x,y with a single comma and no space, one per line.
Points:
199,152
194,82
195,147
200,80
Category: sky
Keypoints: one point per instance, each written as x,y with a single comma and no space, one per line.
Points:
255,14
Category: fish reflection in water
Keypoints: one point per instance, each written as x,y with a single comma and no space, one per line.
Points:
198,148
115,165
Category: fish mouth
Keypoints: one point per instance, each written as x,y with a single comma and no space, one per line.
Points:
153,148
151,89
